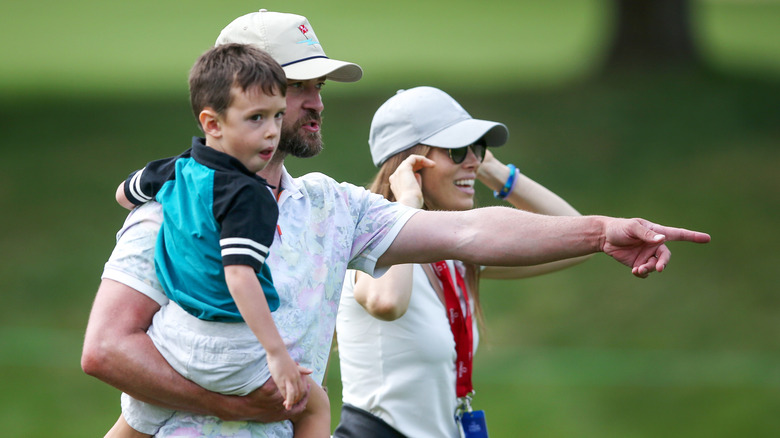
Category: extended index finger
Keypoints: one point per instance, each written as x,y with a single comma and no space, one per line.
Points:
677,234
683,235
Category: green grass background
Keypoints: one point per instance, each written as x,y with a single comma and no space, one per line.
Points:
91,90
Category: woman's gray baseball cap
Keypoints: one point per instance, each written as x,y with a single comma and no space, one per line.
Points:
291,41
429,116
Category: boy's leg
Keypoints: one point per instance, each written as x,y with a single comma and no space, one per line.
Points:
314,421
123,430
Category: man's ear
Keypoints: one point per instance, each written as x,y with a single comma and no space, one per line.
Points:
210,122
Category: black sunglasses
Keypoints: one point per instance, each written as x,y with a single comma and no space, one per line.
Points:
459,154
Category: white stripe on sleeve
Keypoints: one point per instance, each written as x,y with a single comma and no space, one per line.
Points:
240,241
243,251
135,187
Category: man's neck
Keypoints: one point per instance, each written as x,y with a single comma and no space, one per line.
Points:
273,172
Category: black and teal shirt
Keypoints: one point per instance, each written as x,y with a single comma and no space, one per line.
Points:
215,213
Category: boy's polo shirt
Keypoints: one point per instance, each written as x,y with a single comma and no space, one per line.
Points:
215,213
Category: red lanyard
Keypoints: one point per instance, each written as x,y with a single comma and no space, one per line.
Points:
460,325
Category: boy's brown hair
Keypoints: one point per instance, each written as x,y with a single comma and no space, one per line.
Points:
223,67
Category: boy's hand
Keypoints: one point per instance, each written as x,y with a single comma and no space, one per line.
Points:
288,377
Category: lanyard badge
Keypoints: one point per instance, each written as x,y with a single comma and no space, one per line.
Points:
471,423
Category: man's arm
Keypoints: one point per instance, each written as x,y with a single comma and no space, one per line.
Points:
499,236
118,352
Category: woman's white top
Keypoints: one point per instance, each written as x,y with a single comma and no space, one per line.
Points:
402,371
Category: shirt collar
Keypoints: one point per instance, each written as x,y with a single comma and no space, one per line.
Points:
217,160
289,185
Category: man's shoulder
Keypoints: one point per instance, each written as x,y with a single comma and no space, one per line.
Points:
144,220
315,178
149,212
317,181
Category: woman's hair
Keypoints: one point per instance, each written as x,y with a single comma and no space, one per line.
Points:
381,186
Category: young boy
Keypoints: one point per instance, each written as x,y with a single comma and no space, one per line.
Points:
219,219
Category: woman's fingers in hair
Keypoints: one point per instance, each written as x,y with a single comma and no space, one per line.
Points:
418,162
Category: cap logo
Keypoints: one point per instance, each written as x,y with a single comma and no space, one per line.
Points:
307,41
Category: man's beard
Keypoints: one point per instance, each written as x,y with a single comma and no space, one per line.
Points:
299,144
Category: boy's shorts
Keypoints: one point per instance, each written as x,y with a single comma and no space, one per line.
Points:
223,357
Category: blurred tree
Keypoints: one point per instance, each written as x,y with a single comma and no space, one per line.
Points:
652,33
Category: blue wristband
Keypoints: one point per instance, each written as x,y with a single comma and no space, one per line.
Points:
510,183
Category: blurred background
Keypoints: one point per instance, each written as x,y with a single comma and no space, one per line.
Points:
667,109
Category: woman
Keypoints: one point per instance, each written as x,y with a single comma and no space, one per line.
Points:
398,350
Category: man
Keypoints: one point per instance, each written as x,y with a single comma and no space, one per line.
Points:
324,227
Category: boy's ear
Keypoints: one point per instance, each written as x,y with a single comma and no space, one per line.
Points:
210,123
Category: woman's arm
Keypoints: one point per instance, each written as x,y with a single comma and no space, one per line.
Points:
387,297
528,195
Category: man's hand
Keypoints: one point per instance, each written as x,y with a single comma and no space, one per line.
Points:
640,244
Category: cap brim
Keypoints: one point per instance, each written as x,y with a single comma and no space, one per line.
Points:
331,69
468,131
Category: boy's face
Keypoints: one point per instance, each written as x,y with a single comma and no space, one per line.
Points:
251,126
